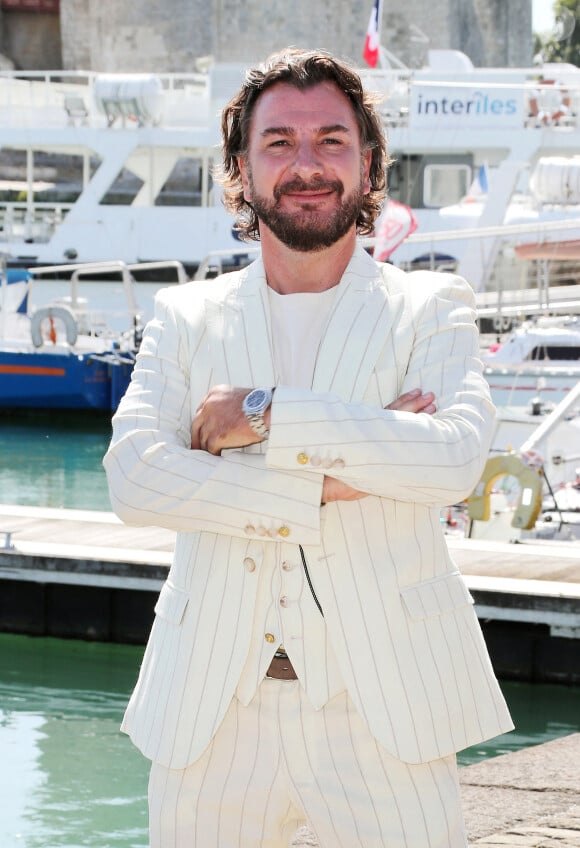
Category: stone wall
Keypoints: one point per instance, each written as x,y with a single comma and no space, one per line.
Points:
170,35
493,33
31,40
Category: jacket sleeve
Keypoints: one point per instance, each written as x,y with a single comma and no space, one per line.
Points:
156,479
430,459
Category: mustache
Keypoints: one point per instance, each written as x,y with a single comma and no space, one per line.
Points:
298,184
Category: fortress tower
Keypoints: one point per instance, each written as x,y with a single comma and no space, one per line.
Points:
170,35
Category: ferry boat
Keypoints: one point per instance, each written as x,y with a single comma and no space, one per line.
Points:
119,167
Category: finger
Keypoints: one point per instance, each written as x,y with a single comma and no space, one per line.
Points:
424,401
413,401
203,401
195,436
407,397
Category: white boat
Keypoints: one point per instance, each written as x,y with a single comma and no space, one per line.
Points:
68,352
488,151
118,167
539,359
111,167
530,487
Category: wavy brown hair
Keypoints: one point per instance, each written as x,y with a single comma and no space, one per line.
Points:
302,69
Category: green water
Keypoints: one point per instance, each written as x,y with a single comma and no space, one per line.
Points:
54,460
69,779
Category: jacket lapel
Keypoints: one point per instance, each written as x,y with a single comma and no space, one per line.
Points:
238,322
238,325
357,330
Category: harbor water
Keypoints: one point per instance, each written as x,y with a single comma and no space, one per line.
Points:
70,779
54,460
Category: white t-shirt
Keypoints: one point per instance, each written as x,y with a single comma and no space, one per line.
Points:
285,607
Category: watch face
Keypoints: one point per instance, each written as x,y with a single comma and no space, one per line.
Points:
256,400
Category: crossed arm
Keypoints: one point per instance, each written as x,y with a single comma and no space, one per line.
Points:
219,423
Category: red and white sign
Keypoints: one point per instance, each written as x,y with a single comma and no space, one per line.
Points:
397,221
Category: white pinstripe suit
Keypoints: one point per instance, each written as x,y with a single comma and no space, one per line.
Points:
398,614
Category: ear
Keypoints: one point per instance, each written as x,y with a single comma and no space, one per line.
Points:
366,170
243,168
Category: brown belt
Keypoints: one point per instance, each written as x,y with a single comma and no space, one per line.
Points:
281,668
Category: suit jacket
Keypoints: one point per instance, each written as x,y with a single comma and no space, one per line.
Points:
399,616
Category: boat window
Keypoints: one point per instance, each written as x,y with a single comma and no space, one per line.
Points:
153,176
53,177
445,184
184,185
557,352
404,179
123,190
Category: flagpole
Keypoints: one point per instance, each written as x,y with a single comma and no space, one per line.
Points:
379,30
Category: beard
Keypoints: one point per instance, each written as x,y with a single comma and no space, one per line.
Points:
307,229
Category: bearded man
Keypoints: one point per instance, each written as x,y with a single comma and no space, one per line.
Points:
315,656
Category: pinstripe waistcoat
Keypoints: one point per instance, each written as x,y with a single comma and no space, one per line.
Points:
400,619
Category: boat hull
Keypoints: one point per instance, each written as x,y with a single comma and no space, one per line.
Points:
63,380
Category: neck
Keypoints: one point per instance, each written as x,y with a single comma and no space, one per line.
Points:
292,272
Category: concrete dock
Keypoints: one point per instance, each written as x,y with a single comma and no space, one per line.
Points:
73,573
529,798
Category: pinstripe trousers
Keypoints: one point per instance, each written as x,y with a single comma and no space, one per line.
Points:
278,764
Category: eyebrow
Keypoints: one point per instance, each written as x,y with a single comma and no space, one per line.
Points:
289,131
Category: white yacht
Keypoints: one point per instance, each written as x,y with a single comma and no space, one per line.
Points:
119,167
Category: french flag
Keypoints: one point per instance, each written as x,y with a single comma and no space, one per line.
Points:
371,48
479,187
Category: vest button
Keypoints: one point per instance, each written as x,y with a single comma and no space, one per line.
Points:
269,637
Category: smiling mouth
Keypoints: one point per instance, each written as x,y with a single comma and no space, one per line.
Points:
297,190
308,196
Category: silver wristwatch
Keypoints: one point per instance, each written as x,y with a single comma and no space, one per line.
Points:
254,406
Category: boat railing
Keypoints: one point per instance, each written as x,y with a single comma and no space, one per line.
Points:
522,281
408,97
61,98
218,261
95,271
31,220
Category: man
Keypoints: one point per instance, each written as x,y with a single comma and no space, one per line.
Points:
315,655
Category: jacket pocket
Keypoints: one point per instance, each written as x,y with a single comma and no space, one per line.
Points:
437,596
171,603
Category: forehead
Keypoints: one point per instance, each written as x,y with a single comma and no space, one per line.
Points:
321,105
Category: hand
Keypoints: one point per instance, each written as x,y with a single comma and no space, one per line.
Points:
414,401
219,422
336,490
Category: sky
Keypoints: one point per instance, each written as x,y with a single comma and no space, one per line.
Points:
542,15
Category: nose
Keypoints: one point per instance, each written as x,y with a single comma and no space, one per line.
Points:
306,161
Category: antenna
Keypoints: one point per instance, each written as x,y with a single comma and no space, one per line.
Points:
564,24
